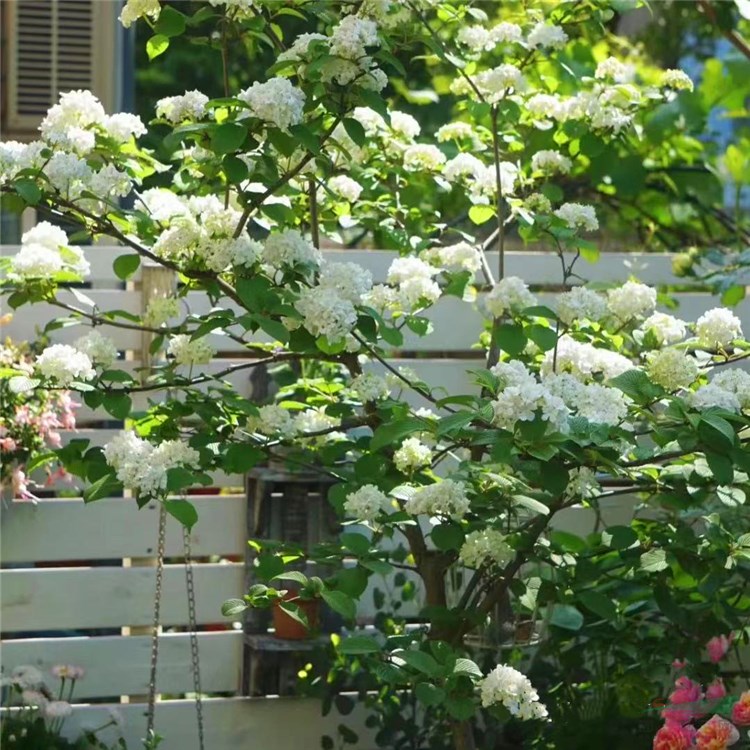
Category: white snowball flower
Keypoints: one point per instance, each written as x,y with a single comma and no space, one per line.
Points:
423,156
520,403
346,187
671,368
476,38
600,404
487,546
584,361
412,455
735,381
494,84
510,294
550,161
34,261
508,687
665,328
367,503
615,69
316,420
582,484
577,215
100,349
405,125
408,267
350,280
581,303
272,420
370,387
160,310
135,9
65,364
462,165
289,248
122,126
277,101
326,313
713,396
46,234
67,123
506,32
446,498
352,36
547,35
190,352
718,328
677,79
631,300
188,106
455,131
459,257
512,373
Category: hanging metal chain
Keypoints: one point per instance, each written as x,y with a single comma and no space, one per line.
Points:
156,620
193,634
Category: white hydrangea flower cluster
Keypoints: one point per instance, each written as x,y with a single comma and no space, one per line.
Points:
665,328
142,466
671,368
582,484
316,420
677,79
415,281
413,454
160,311
729,389
370,387
100,349
350,280
64,364
581,303
423,157
599,404
349,42
326,313
512,689
480,179
631,300
457,131
190,106
190,352
481,39
718,328
135,9
367,503
577,215
278,102
584,361
615,69
446,498
288,249
493,84
459,257
547,35
549,162
45,252
272,420
509,295
486,547
346,187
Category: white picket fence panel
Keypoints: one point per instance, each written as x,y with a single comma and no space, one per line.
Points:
53,614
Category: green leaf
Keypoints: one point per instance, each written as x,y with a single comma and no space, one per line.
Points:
510,338
599,604
232,607
340,602
156,46
355,131
359,544
531,504
126,265
118,404
654,561
22,384
619,537
447,536
183,511
421,661
28,190
636,384
566,616
294,612
306,137
228,137
179,478
171,22
390,433
103,487
239,459
358,644
234,168
481,214
292,575
543,336
714,429
429,694
461,708
467,667
733,295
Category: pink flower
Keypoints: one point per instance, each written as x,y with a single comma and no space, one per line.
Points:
7,444
679,664
20,485
716,734
716,690
673,736
718,646
687,692
741,710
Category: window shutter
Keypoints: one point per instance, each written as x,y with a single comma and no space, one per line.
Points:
54,46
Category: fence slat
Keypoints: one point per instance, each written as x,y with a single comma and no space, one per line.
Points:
59,599
68,529
119,665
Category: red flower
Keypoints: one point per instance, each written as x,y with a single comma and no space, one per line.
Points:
674,736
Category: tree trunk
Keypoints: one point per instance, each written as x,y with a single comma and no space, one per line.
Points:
463,736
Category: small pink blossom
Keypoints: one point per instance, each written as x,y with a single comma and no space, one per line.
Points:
741,710
674,736
716,734
7,444
20,485
687,692
718,646
679,664
716,690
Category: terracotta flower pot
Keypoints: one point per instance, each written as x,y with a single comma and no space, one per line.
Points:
289,629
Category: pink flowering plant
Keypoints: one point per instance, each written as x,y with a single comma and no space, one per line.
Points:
450,498
31,419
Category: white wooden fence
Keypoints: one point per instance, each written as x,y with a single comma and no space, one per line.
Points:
69,590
